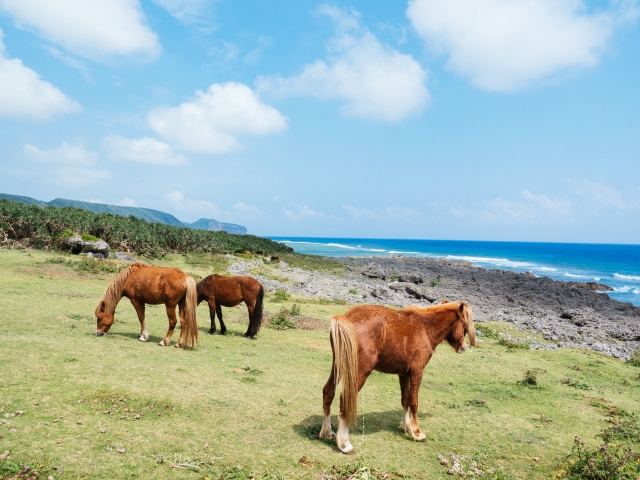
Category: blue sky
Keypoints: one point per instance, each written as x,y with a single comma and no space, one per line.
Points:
437,119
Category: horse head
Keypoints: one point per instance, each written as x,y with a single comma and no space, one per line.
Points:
104,319
461,326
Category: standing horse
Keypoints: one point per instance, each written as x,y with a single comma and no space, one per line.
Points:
221,291
143,284
401,342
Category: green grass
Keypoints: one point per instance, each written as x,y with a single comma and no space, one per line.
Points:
239,409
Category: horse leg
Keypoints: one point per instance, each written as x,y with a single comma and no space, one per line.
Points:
328,393
183,315
139,306
171,313
212,315
249,333
414,388
223,327
342,437
405,383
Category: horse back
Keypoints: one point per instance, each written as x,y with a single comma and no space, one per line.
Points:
396,339
154,285
230,291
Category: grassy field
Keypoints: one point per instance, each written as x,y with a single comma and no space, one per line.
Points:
113,407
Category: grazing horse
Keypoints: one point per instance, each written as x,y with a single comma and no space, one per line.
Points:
401,342
221,291
143,284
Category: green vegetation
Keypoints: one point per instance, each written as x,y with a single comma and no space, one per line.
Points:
235,408
635,358
434,283
88,238
353,291
530,378
281,321
314,263
281,296
39,228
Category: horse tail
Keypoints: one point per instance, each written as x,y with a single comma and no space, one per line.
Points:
190,327
470,330
345,364
255,322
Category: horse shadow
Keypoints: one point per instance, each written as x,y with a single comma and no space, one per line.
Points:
136,336
389,421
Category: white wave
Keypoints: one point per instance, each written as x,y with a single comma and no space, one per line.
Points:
499,262
624,289
636,291
547,269
627,277
575,276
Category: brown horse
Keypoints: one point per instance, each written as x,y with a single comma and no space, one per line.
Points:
143,284
221,291
401,342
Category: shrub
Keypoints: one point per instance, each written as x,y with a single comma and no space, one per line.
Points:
295,310
42,228
93,265
434,283
281,295
505,342
530,378
353,291
89,238
610,461
281,321
635,358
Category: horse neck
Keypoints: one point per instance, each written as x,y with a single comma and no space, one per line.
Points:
438,325
114,292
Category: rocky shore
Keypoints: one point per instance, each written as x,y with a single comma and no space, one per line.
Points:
565,314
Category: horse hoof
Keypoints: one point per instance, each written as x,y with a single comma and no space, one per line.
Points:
177,345
420,437
211,332
142,339
161,343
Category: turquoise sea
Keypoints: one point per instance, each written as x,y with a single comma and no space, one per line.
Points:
615,265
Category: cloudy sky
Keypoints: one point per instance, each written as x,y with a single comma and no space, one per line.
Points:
436,119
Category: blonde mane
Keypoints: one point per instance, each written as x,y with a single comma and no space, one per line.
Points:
114,291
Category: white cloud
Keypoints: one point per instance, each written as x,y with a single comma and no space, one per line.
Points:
142,150
127,202
187,11
95,29
177,201
247,209
303,212
374,80
598,195
503,45
68,165
389,214
212,122
23,93
65,154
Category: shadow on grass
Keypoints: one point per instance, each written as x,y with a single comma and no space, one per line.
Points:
389,421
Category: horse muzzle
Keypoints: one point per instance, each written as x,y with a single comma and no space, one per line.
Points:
100,333
462,349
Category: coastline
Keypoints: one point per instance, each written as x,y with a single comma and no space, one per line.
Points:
564,314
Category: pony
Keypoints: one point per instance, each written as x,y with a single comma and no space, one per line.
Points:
143,284
401,342
221,291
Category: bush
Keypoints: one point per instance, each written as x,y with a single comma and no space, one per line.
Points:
89,238
505,342
281,296
530,378
281,321
610,461
635,358
353,291
295,310
43,228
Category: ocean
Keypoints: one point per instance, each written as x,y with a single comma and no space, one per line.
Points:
615,265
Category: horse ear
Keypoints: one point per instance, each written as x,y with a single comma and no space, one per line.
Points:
102,306
444,300
461,307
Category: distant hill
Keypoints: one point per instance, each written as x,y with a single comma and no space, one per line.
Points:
144,213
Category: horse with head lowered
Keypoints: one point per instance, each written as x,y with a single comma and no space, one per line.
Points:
143,284
400,342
